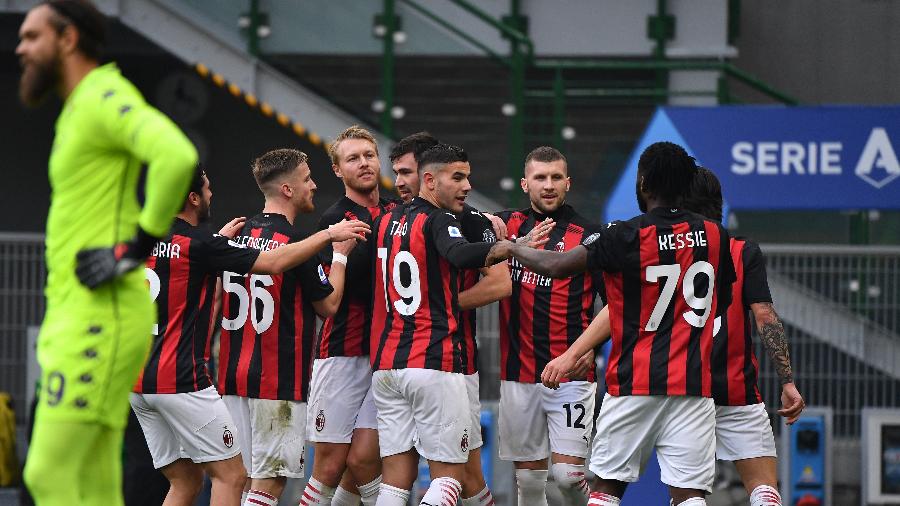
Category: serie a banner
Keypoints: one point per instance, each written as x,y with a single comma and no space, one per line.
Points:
774,157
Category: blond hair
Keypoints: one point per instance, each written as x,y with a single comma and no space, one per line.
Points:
354,132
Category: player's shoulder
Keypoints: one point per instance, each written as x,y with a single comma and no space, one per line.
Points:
578,223
749,248
107,85
339,211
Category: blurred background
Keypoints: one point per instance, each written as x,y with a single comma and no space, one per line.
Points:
595,78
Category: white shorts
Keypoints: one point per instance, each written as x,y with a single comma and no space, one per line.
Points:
340,399
535,420
473,389
423,409
272,434
681,429
190,425
743,432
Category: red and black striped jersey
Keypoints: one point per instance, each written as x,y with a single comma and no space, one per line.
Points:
182,271
734,366
346,334
476,228
420,253
544,316
268,322
668,274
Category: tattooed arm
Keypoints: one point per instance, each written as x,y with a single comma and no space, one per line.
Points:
771,332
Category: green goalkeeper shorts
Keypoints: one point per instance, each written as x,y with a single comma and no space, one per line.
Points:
91,350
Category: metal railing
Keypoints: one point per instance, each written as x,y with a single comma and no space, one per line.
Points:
22,278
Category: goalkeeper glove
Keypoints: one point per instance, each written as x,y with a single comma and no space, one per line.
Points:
99,265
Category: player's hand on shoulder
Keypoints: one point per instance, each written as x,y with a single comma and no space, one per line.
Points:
497,224
97,266
233,227
792,403
538,236
348,229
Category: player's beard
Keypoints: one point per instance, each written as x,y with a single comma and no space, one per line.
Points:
361,186
38,80
204,213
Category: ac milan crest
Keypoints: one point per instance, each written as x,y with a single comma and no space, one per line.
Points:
320,420
228,438
560,246
464,442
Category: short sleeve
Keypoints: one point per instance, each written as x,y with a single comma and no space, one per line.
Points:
222,254
328,218
602,250
313,280
726,274
756,284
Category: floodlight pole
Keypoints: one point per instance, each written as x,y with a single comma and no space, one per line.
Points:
389,20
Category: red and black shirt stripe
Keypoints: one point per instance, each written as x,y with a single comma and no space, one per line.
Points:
419,259
182,272
735,370
475,228
346,334
544,316
268,322
668,274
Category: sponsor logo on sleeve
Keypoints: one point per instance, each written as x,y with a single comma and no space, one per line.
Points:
591,238
322,277
454,231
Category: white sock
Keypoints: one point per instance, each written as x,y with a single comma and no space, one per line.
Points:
765,495
369,491
693,501
258,498
532,485
343,497
316,493
571,482
483,498
601,499
391,496
443,491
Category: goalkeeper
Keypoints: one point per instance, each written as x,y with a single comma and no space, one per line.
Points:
96,332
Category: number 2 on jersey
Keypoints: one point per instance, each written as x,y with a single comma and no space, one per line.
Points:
671,273
412,291
248,301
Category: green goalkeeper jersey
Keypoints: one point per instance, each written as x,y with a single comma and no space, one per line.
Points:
104,133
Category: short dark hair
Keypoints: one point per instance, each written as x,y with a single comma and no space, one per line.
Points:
84,16
442,154
545,154
668,171
705,197
416,144
197,181
276,164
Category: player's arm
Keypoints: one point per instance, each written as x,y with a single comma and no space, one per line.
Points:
291,255
755,292
596,334
495,284
548,263
329,305
771,332
125,122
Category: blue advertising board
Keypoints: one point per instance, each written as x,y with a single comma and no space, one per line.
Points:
772,157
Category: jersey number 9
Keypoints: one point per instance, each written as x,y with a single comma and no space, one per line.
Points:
411,291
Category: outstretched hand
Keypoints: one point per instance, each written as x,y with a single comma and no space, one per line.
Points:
348,229
538,236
